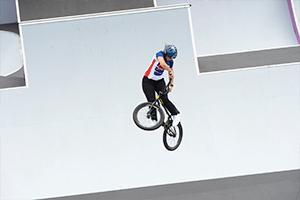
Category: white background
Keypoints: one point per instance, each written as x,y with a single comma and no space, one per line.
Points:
71,131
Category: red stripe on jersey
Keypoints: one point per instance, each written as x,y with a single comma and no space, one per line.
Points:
149,69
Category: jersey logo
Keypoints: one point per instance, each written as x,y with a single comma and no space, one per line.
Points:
158,70
159,67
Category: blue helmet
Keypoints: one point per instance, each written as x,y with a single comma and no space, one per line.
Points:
171,51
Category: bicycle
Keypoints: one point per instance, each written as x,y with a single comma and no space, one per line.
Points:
150,116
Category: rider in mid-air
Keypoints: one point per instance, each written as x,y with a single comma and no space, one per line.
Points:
153,80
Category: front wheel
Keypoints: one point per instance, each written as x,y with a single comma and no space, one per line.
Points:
172,137
148,117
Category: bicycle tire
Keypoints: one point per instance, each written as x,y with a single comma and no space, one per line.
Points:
141,120
168,139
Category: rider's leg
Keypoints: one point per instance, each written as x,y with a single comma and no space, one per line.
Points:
149,91
173,110
169,105
161,85
176,119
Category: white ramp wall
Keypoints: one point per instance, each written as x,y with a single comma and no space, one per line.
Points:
297,11
71,131
230,26
295,16
10,54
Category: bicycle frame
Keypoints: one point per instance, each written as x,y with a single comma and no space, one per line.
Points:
157,114
158,101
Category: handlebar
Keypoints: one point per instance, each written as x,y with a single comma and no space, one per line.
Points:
169,83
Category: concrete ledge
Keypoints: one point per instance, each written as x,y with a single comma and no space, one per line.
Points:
279,185
33,10
249,59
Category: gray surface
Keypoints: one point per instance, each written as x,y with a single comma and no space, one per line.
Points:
14,80
249,59
271,186
32,10
283,186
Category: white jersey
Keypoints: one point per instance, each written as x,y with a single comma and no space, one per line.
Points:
155,71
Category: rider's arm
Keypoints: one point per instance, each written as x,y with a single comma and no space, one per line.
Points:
171,76
163,64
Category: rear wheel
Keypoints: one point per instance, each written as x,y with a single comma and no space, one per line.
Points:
172,137
148,117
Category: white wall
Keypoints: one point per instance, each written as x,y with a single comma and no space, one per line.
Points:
71,131
10,54
8,12
296,4
234,26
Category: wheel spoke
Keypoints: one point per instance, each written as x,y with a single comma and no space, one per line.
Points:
145,114
172,137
